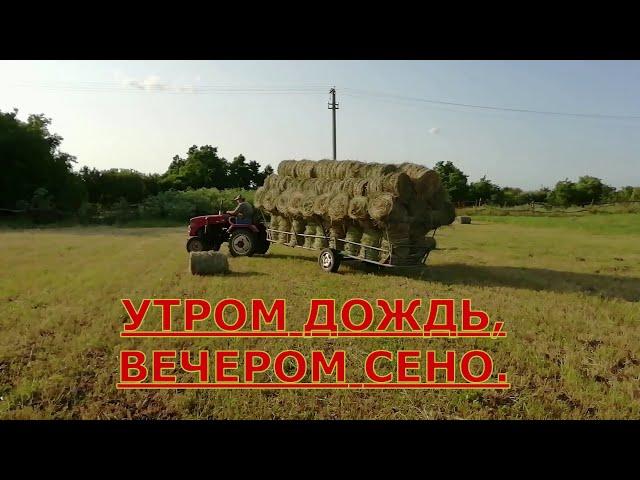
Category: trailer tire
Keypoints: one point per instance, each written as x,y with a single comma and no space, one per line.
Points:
329,260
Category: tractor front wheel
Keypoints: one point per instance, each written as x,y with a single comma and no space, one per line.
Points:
242,243
196,244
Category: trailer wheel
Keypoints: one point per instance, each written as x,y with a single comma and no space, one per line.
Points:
329,260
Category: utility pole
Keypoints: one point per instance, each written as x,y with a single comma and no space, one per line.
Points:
333,106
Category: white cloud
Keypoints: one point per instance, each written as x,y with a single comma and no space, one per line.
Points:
153,83
434,130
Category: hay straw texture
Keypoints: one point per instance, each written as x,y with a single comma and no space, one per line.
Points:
370,201
208,263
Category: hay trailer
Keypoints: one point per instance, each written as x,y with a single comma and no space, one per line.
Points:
331,256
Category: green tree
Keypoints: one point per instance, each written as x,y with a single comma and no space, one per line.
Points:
202,168
240,173
30,158
486,191
591,190
454,181
564,194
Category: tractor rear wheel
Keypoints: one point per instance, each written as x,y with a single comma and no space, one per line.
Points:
242,243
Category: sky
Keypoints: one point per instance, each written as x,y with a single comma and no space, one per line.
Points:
139,114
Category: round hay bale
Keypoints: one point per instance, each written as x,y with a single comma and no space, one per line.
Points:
322,185
321,204
354,234
374,170
398,236
258,196
285,226
444,216
304,169
208,263
286,168
326,169
310,229
398,215
464,220
337,233
306,207
338,208
298,226
283,183
425,180
271,181
380,206
268,201
347,169
321,241
282,202
398,184
358,208
371,237
294,202
419,211
359,187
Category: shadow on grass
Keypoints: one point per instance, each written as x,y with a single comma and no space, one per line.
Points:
537,279
245,274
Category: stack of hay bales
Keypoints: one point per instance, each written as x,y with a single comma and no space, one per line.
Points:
374,204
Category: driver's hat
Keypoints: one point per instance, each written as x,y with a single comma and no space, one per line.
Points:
238,197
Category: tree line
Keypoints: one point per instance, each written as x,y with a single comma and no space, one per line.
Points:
37,176
587,190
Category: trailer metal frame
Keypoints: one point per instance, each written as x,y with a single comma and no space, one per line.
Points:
414,260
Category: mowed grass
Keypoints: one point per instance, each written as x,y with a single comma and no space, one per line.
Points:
569,297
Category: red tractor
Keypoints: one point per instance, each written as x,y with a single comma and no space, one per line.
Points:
209,232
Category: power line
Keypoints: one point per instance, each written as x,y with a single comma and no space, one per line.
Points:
142,86
136,86
486,107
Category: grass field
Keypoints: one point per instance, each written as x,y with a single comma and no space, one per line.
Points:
568,291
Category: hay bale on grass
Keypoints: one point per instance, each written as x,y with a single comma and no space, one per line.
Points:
208,263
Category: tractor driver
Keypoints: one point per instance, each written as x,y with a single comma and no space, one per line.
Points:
243,212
